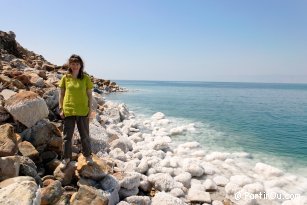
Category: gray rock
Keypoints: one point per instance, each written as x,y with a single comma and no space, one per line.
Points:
52,98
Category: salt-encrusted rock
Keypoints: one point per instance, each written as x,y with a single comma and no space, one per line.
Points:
143,166
52,193
123,143
217,156
6,93
113,115
296,201
195,195
117,153
136,137
123,193
128,180
145,185
123,112
97,171
65,176
123,203
9,167
158,116
177,192
51,97
111,185
90,196
232,188
267,170
161,144
139,200
220,180
210,185
28,150
166,199
21,192
163,182
193,168
254,188
209,168
8,142
184,178
23,103
178,130
240,180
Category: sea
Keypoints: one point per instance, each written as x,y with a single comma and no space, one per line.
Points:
267,120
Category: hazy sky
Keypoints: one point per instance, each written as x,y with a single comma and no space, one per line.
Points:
202,40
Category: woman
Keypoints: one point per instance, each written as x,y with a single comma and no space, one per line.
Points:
75,107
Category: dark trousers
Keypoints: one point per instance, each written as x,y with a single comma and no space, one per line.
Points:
83,128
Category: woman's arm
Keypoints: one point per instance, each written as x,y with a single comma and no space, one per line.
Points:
89,96
61,99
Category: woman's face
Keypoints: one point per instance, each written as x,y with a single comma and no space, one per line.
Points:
75,66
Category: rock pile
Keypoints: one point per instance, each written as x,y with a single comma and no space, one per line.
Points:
135,160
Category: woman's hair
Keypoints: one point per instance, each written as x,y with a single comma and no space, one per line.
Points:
76,59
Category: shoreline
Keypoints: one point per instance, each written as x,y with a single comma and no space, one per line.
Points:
281,162
204,167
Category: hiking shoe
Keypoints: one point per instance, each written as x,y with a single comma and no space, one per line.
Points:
64,163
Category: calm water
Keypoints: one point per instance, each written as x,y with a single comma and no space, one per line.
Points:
267,120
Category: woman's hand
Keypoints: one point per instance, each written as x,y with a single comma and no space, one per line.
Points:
62,113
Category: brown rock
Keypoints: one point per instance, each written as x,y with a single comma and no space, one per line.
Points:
97,171
28,150
89,196
18,84
8,142
52,193
48,67
9,167
24,79
42,74
65,176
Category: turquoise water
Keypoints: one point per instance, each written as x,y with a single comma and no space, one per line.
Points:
266,120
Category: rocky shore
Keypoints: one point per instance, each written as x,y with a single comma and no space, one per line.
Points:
135,160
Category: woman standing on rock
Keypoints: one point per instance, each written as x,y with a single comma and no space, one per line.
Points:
75,107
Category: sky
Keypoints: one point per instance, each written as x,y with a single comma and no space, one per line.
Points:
180,40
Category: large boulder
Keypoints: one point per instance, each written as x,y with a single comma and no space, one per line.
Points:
27,107
21,192
8,142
